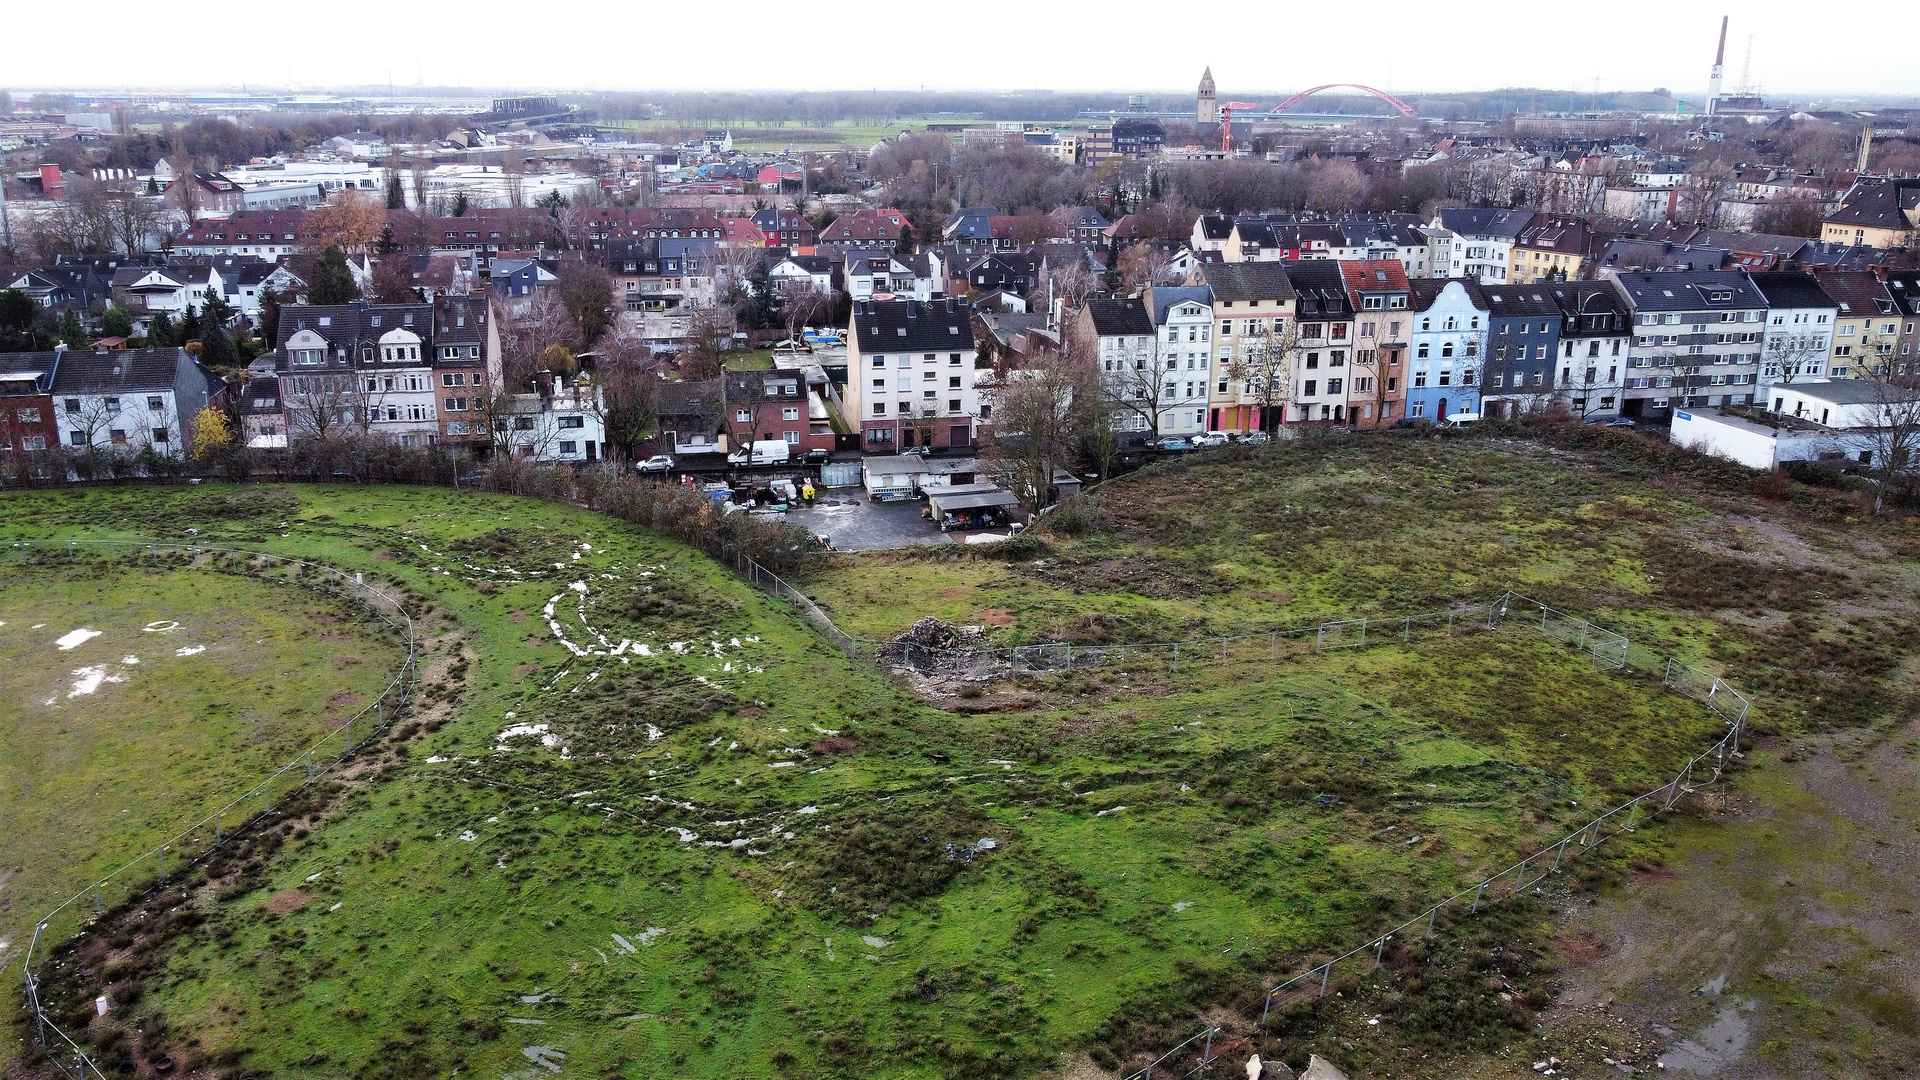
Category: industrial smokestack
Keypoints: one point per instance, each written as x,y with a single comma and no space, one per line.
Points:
1719,62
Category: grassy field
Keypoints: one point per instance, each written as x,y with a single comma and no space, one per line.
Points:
189,686
655,826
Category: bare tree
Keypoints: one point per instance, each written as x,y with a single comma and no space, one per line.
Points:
1070,279
1129,385
350,219
1145,265
1892,434
526,330
184,192
629,377
514,169
326,405
1263,366
709,337
1035,421
802,302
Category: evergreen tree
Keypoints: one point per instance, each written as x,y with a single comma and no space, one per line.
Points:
459,204
217,349
905,245
1153,185
332,282
396,195
215,312
270,316
387,244
71,331
116,322
161,333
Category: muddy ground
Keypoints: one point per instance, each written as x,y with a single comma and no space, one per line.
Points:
1780,941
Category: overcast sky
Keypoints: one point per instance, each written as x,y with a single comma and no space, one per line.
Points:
1256,47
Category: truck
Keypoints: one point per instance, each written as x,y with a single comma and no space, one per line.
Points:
771,451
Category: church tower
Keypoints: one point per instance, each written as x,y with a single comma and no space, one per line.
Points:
1204,112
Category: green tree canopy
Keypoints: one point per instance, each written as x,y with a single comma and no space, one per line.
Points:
332,282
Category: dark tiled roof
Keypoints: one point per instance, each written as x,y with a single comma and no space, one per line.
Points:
1427,290
1681,290
1321,288
1535,299
1792,289
1856,292
1252,280
909,325
126,370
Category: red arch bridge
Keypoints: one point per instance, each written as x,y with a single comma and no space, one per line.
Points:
1399,106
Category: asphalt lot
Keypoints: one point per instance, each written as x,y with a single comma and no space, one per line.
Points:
855,524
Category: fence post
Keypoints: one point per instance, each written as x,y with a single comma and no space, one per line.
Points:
1363,631
1325,974
266,791
1432,914
162,852
1273,645
217,837
1381,951
1176,654
1206,1052
1319,638
1476,897
1449,622
1223,650
1557,852
99,900
1265,1008
1406,629
1069,656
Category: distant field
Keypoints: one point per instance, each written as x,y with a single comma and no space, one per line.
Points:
177,690
795,134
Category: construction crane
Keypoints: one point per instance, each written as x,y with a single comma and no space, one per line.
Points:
1226,121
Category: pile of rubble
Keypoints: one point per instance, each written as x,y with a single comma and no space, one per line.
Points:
932,633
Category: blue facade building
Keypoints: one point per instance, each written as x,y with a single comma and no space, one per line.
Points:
1450,332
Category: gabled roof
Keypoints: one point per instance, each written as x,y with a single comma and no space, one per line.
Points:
1529,300
1114,318
1792,289
1250,280
1373,276
1856,292
1879,204
351,324
1320,286
1506,224
911,326
1163,298
1427,290
121,371
1587,298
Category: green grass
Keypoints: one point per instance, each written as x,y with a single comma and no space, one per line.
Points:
1163,838
115,743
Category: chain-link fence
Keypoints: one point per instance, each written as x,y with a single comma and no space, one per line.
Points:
1608,650
155,867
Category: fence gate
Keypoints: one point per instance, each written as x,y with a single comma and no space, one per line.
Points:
844,474
1042,658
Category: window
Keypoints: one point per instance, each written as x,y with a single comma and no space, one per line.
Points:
72,405
742,416
1308,388
117,437
879,361
112,404
879,408
569,448
790,413
1422,351
77,438
29,416
573,422
1333,386
453,378
155,403
1419,378
33,442
159,434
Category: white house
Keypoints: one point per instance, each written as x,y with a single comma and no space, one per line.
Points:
130,400
1183,333
566,427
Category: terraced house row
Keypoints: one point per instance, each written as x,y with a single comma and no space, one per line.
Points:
1251,345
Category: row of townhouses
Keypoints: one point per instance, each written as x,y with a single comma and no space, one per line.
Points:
1250,345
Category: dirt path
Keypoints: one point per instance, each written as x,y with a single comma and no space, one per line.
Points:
1784,944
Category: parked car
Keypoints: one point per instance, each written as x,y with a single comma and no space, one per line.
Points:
1255,438
1410,421
1207,440
658,463
1171,442
819,457
1621,422
918,451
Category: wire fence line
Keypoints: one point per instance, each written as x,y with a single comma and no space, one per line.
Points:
154,867
1609,651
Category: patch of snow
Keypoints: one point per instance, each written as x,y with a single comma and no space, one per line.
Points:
781,764
435,759
1110,810
164,626
73,639
190,650
652,932
88,679
872,942
128,660
469,836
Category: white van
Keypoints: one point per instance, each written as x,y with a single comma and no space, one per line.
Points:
1460,419
771,451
